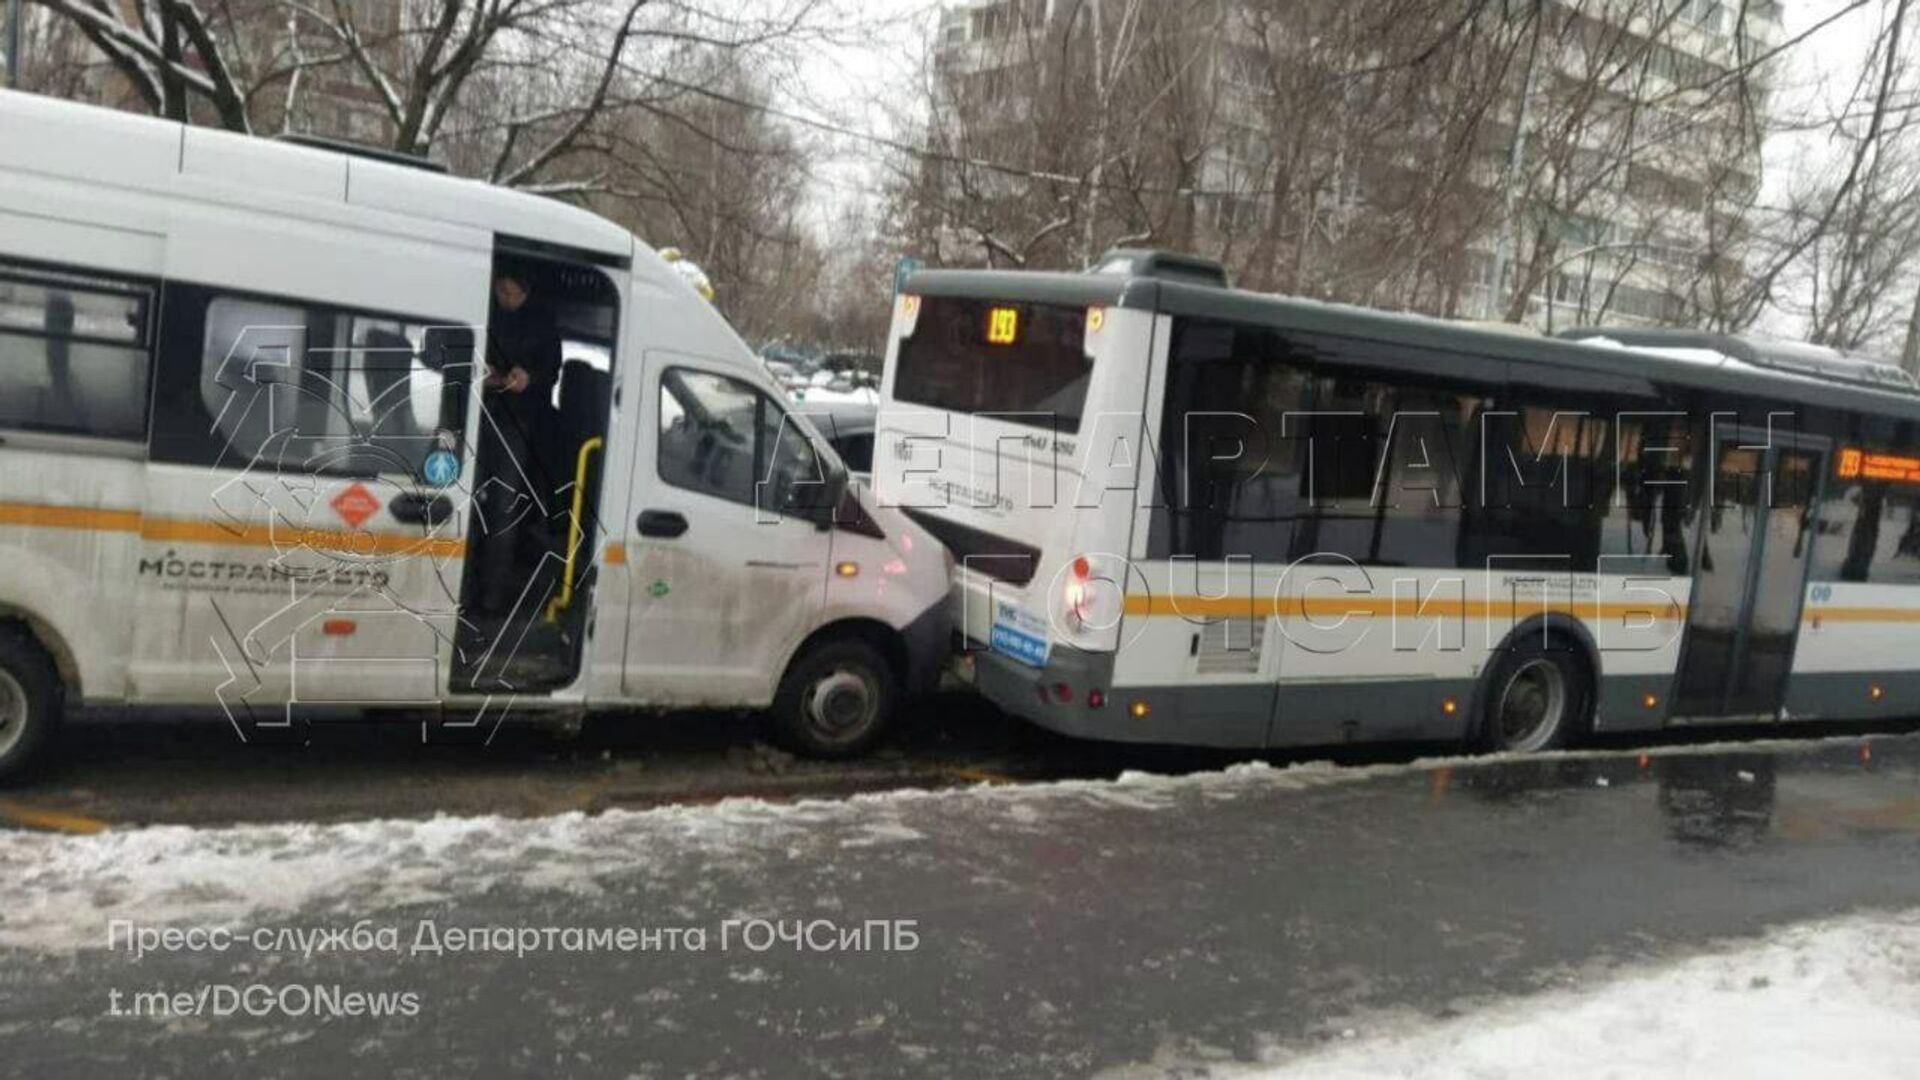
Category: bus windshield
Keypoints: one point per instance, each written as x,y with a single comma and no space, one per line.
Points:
1025,363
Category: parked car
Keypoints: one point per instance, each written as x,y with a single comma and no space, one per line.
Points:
848,427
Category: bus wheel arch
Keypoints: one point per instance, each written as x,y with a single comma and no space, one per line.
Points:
32,698
42,633
1540,688
840,689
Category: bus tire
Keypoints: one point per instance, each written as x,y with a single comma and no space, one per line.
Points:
30,702
836,700
1536,698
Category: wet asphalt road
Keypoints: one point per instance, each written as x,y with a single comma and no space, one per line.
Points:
1130,929
107,771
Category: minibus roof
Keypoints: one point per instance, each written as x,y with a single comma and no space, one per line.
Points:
51,137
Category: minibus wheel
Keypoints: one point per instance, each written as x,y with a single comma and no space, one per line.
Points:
30,694
1536,698
836,699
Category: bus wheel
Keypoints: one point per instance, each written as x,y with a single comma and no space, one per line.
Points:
1536,699
836,700
30,693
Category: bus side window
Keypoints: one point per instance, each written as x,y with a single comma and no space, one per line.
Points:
1230,471
75,350
1871,534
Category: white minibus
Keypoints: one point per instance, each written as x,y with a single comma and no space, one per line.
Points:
289,430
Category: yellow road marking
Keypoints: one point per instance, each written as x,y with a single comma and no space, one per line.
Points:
981,776
52,820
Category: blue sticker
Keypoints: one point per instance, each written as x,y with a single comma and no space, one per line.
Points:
441,469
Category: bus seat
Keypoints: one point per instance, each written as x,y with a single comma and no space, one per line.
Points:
386,359
586,394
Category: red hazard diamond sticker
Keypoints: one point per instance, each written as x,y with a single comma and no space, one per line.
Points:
355,505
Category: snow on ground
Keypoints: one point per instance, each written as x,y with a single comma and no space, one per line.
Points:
59,892
1833,999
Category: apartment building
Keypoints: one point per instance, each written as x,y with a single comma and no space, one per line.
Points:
1599,171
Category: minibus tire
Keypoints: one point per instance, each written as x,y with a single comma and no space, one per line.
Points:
1550,686
30,695
834,677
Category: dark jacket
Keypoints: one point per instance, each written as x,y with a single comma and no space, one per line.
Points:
528,339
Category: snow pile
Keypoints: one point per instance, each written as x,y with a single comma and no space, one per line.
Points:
1830,999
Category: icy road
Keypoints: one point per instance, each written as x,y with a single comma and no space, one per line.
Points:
1746,910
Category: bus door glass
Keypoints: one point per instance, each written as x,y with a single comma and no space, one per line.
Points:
1744,617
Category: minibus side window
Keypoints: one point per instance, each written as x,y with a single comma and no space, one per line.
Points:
308,389
707,428
75,350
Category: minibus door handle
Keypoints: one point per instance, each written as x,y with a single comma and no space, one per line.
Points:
419,508
665,524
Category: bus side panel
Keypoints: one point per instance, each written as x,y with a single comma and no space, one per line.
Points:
1856,637
69,541
302,584
70,506
1331,654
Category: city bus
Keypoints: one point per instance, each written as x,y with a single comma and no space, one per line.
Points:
1185,513
255,457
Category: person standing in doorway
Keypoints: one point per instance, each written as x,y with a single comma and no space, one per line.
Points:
523,366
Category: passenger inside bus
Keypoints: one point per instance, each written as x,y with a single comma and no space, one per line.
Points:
548,395
523,367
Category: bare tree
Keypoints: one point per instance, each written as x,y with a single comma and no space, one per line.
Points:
1058,131
515,87
1844,245
1543,160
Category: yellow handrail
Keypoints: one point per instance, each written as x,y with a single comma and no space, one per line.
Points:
565,600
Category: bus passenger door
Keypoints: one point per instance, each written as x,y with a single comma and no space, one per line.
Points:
1756,537
720,585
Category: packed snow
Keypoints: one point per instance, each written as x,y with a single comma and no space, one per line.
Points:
1839,998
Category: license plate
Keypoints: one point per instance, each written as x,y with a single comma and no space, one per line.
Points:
1019,635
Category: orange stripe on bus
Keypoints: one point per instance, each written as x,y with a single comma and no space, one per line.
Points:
346,543
180,531
87,519
1860,614
1335,606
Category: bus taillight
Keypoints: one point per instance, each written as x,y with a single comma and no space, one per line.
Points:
1079,598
